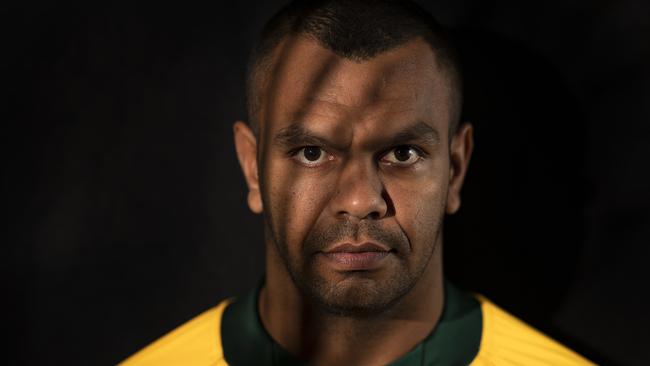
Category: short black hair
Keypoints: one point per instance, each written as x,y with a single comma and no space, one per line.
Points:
354,29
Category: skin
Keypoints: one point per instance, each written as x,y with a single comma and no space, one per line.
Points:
359,120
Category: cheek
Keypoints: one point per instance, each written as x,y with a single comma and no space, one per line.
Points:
419,207
297,199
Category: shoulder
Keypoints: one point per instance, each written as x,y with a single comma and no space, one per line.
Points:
197,342
506,340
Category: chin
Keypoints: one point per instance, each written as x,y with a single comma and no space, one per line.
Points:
357,295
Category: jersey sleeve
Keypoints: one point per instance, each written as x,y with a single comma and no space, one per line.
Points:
197,342
507,341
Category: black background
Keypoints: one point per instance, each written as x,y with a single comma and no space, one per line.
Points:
127,210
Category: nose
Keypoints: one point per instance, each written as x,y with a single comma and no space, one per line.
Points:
360,192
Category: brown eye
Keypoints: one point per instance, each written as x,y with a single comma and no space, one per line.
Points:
403,153
312,153
402,156
312,156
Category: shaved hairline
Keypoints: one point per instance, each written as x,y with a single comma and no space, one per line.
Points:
258,82
394,24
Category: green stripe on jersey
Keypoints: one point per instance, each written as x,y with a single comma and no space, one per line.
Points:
454,341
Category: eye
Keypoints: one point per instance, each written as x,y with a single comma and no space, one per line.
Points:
402,156
312,156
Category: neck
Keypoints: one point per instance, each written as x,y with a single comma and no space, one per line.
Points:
310,333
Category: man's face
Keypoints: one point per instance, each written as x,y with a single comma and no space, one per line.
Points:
354,170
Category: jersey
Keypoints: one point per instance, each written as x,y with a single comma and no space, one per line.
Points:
471,331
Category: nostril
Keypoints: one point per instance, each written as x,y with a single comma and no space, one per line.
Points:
374,216
390,207
359,193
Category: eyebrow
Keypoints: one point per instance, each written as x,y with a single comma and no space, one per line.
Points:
295,135
419,131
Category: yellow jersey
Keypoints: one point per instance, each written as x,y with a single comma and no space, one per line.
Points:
472,331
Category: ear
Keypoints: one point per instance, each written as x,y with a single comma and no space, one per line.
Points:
246,145
462,144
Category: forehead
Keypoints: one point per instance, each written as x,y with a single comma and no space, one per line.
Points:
308,81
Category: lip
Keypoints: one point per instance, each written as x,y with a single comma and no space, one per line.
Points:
356,257
358,248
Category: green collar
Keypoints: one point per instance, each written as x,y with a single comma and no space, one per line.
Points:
454,341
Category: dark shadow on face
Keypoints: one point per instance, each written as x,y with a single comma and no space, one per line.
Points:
269,113
519,232
372,106
361,301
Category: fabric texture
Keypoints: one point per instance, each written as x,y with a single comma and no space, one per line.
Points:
454,341
502,339
197,342
509,341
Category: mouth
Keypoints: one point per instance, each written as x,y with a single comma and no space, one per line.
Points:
356,257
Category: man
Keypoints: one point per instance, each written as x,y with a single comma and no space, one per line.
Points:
354,154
